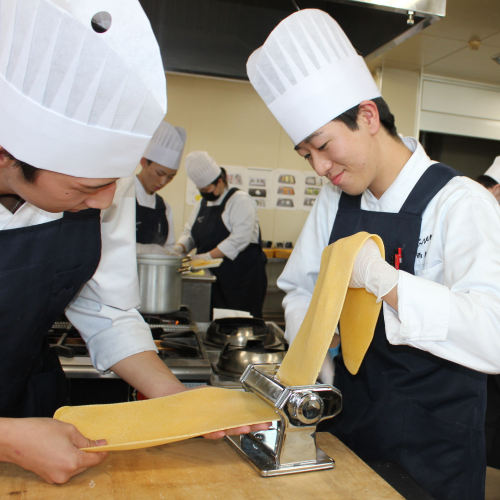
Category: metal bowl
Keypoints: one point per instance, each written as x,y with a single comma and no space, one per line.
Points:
238,331
234,359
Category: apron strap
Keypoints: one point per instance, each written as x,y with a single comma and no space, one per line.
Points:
432,181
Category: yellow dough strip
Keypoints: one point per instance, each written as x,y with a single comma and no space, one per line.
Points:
127,426
333,300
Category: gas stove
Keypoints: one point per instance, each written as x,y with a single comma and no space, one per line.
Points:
176,336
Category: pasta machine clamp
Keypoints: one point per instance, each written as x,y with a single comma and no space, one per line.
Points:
289,446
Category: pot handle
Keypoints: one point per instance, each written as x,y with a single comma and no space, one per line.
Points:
185,270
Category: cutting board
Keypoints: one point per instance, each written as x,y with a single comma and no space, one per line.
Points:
201,469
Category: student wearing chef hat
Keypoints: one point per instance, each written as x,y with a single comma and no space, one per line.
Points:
160,163
82,90
419,397
224,224
491,179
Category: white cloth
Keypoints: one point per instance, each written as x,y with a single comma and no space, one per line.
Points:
73,100
240,219
494,170
451,307
166,146
201,168
308,73
105,311
149,200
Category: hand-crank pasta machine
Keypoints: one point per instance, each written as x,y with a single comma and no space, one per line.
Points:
289,446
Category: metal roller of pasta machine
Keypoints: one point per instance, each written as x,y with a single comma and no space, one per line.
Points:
289,446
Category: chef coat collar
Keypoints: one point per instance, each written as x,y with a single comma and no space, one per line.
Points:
140,193
219,200
392,200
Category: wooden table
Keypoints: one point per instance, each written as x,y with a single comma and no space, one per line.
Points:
200,469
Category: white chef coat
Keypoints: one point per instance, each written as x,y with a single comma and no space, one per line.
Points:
240,219
105,311
149,200
451,307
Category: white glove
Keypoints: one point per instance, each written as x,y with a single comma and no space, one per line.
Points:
372,272
150,248
202,256
177,249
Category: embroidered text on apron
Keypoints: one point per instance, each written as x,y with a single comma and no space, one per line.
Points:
406,405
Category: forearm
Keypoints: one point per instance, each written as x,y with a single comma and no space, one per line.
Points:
147,373
392,298
7,426
216,253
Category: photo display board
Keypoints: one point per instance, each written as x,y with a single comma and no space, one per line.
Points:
282,189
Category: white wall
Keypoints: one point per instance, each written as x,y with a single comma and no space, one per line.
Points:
230,121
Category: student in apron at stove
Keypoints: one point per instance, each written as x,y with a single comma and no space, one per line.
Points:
160,163
77,115
419,397
224,224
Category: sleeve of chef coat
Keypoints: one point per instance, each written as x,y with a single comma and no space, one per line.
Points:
185,238
105,311
171,233
453,308
240,217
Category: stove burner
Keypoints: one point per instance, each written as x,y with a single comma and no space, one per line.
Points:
176,345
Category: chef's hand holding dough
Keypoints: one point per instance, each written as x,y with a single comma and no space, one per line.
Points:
373,273
201,256
48,447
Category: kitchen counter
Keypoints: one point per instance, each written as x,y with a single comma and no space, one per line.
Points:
202,469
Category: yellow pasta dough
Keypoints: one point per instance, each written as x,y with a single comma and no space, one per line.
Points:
331,300
140,424
152,422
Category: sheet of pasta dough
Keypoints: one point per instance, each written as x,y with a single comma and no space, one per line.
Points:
333,300
140,424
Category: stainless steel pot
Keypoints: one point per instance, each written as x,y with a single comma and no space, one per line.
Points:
160,283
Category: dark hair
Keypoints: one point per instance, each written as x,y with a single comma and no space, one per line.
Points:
350,117
223,176
29,173
486,181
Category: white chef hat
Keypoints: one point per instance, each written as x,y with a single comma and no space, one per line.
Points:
494,170
82,86
167,145
201,168
308,73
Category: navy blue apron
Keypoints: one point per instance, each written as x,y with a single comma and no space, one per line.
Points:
241,283
406,405
151,224
42,269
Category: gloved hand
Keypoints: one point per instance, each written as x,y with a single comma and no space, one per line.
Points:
202,256
177,249
150,248
372,272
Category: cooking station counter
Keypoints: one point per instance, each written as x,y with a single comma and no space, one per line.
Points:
195,362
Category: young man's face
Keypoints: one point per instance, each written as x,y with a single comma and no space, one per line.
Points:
55,192
345,157
155,176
